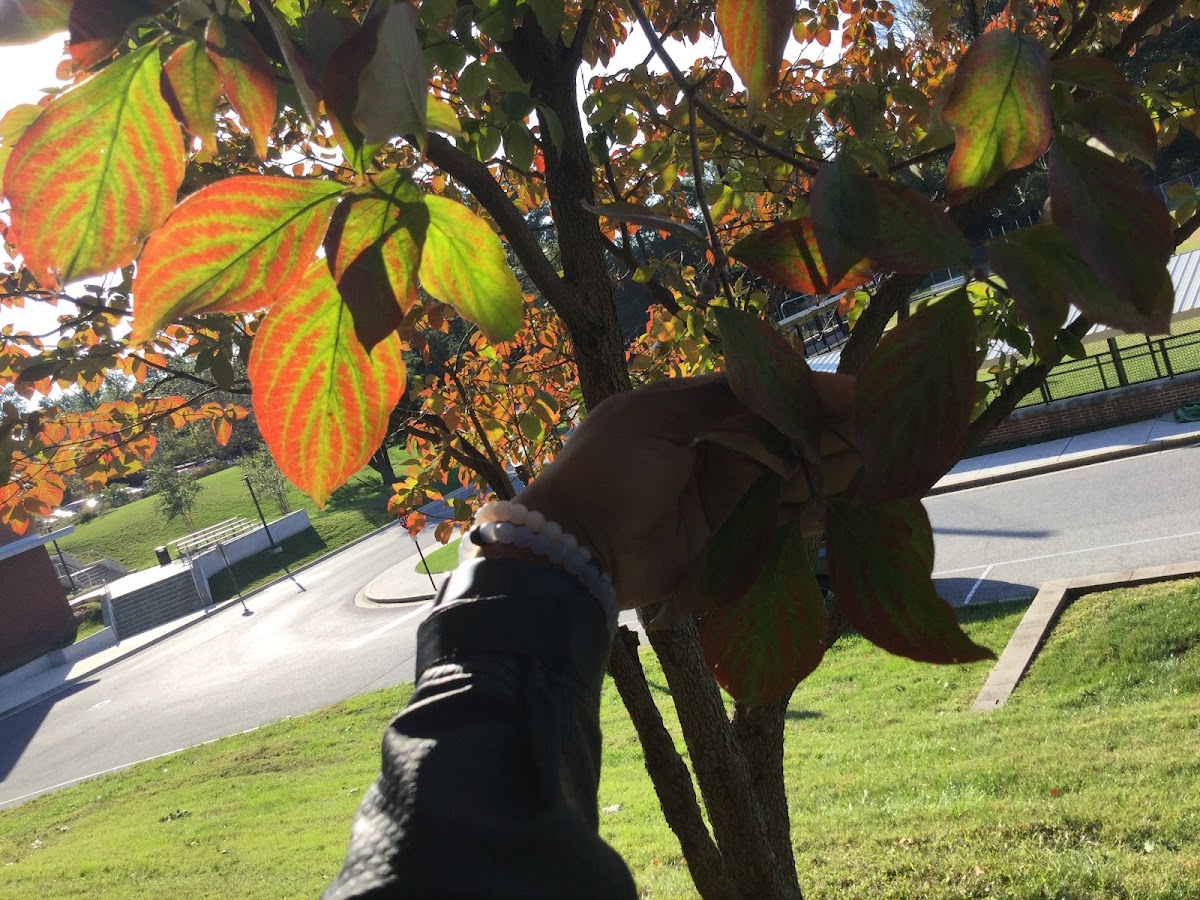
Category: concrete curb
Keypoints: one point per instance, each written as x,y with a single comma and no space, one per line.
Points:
1043,613
1072,462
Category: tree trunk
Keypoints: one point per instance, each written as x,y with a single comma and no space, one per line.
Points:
382,463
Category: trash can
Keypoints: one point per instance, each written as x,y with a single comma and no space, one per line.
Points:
164,556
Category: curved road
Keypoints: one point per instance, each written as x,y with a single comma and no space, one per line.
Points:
306,643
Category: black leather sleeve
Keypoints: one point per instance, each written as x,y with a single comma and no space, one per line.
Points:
490,773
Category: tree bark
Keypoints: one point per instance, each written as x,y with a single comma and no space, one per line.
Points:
382,463
669,774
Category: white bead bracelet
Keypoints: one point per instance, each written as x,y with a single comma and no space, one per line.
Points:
506,522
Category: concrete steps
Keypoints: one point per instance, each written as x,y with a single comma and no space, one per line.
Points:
155,604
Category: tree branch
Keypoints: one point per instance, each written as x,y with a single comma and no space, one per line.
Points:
714,116
1079,30
1018,386
1187,229
1155,13
869,328
714,243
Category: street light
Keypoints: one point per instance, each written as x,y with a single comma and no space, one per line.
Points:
274,548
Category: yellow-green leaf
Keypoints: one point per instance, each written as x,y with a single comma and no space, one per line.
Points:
373,248
440,116
239,244
25,21
96,172
755,33
999,107
192,87
321,400
12,126
246,77
464,264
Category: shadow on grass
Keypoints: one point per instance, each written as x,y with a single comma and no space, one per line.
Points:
803,714
263,567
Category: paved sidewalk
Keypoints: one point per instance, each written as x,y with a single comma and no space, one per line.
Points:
1148,436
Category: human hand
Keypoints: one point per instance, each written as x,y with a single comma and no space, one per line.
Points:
634,484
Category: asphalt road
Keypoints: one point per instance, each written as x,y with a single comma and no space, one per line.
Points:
306,644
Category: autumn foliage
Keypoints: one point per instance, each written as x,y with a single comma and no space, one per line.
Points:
304,203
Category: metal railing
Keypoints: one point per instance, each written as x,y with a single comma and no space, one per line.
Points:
1116,366
206,538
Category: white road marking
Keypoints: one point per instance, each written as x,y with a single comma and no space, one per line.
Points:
1010,562
383,629
975,586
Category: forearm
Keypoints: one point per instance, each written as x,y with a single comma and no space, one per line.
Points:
490,774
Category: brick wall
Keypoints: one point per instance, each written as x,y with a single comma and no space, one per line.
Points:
1093,411
34,614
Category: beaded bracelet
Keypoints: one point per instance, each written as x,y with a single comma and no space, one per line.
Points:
506,522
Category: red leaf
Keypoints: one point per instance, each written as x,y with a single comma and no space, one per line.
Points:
913,400
246,77
1120,125
766,643
913,235
880,562
755,33
1119,225
97,27
374,250
96,172
192,87
321,400
845,217
999,107
237,245
787,254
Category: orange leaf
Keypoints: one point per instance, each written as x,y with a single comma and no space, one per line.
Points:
192,87
755,33
245,75
322,401
236,245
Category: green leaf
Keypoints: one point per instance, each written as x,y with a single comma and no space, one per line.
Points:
97,27
1120,125
845,216
787,254
755,33
440,116
771,639
549,14
239,244
393,84
473,84
373,249
245,75
548,121
913,235
321,400
1092,74
298,67
518,145
880,562
96,172
769,377
999,107
339,86
741,545
1117,223
26,21
464,264
1044,273
913,400
192,87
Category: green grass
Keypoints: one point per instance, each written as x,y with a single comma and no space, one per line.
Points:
443,559
130,533
89,618
1087,784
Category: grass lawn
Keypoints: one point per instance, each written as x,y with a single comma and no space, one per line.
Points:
130,533
1087,784
89,618
443,559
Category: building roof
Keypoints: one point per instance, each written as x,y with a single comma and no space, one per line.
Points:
32,542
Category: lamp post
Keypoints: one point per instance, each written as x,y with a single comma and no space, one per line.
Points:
274,548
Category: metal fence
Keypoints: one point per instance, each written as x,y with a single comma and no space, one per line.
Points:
1117,366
